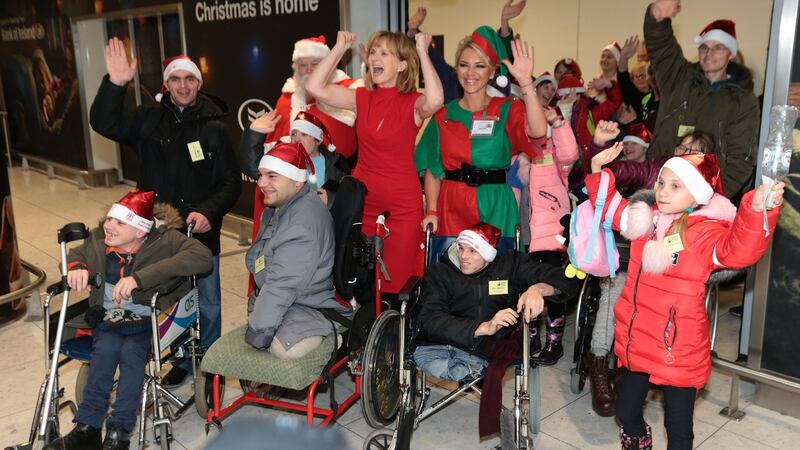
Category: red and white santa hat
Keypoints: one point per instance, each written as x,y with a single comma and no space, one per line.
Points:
290,160
544,78
722,30
615,50
568,83
483,238
307,123
638,134
174,63
572,67
311,47
135,209
700,173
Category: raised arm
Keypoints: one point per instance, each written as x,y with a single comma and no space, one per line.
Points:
521,68
318,84
433,99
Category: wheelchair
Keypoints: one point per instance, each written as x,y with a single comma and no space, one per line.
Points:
178,335
355,257
393,334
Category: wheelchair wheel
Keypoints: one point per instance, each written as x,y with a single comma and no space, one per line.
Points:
534,402
380,439
577,381
204,393
380,379
80,382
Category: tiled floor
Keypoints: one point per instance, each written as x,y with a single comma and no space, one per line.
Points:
41,206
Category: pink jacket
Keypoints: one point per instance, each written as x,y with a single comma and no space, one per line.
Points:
548,188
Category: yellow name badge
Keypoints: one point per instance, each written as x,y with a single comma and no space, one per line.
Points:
260,263
683,130
195,151
673,243
547,160
498,287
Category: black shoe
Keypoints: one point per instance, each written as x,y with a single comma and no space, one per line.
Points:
82,437
736,311
174,377
550,354
117,438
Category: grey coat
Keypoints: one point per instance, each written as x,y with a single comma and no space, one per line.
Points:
296,242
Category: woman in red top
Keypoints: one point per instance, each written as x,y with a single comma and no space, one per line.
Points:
389,113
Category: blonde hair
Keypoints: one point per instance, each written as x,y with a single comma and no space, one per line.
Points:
466,43
638,66
679,226
399,45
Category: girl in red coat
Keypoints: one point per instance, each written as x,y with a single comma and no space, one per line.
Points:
662,335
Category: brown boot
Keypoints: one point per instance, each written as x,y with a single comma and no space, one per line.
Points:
602,394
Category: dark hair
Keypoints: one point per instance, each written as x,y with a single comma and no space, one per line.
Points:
706,140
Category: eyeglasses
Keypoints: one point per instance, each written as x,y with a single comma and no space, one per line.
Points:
640,76
719,48
686,150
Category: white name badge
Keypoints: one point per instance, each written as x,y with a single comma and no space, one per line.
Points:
483,127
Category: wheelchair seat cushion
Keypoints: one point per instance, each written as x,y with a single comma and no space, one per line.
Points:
231,356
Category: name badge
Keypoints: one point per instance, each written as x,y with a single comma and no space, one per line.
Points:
483,127
683,130
547,160
260,263
196,151
498,287
673,243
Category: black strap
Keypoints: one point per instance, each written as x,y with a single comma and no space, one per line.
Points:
475,177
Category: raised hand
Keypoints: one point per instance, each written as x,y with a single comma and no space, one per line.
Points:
606,130
345,40
570,98
423,41
776,199
599,84
550,114
417,19
512,10
629,48
665,9
522,67
120,72
605,157
266,123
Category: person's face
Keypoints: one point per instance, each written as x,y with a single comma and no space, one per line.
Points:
277,189
183,88
545,92
607,61
672,195
713,56
310,143
641,80
634,152
120,234
469,260
641,53
560,72
306,65
384,65
688,146
473,72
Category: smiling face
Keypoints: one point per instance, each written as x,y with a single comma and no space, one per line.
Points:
304,66
634,152
607,61
277,189
121,235
560,71
310,143
714,56
545,91
672,195
183,88
473,70
469,260
384,65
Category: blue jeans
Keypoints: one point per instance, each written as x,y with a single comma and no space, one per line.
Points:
112,348
448,363
210,294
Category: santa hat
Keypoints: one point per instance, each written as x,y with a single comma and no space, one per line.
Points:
312,47
699,172
309,124
722,30
483,238
135,209
638,134
571,66
290,160
615,50
487,39
173,63
568,83
544,78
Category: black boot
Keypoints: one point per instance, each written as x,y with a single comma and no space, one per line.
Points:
82,437
553,350
637,443
117,438
174,377
535,342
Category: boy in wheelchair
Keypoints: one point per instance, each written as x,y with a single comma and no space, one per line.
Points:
471,302
132,260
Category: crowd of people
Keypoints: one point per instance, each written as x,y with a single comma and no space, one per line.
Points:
500,150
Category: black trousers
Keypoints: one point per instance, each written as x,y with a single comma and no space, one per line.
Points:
678,409
554,258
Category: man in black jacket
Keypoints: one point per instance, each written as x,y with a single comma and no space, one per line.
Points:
471,301
185,156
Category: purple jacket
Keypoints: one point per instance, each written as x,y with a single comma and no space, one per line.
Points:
633,175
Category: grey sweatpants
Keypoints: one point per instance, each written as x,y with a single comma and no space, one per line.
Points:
603,333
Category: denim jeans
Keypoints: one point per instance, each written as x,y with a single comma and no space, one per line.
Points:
112,348
210,295
448,363
603,331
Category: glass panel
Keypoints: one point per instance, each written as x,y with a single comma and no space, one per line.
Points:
171,28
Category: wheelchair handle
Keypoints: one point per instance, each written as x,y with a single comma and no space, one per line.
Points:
70,232
190,228
58,287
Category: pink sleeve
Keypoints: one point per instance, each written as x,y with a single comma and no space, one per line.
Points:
566,148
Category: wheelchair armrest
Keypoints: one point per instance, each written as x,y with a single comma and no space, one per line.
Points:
411,285
170,286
